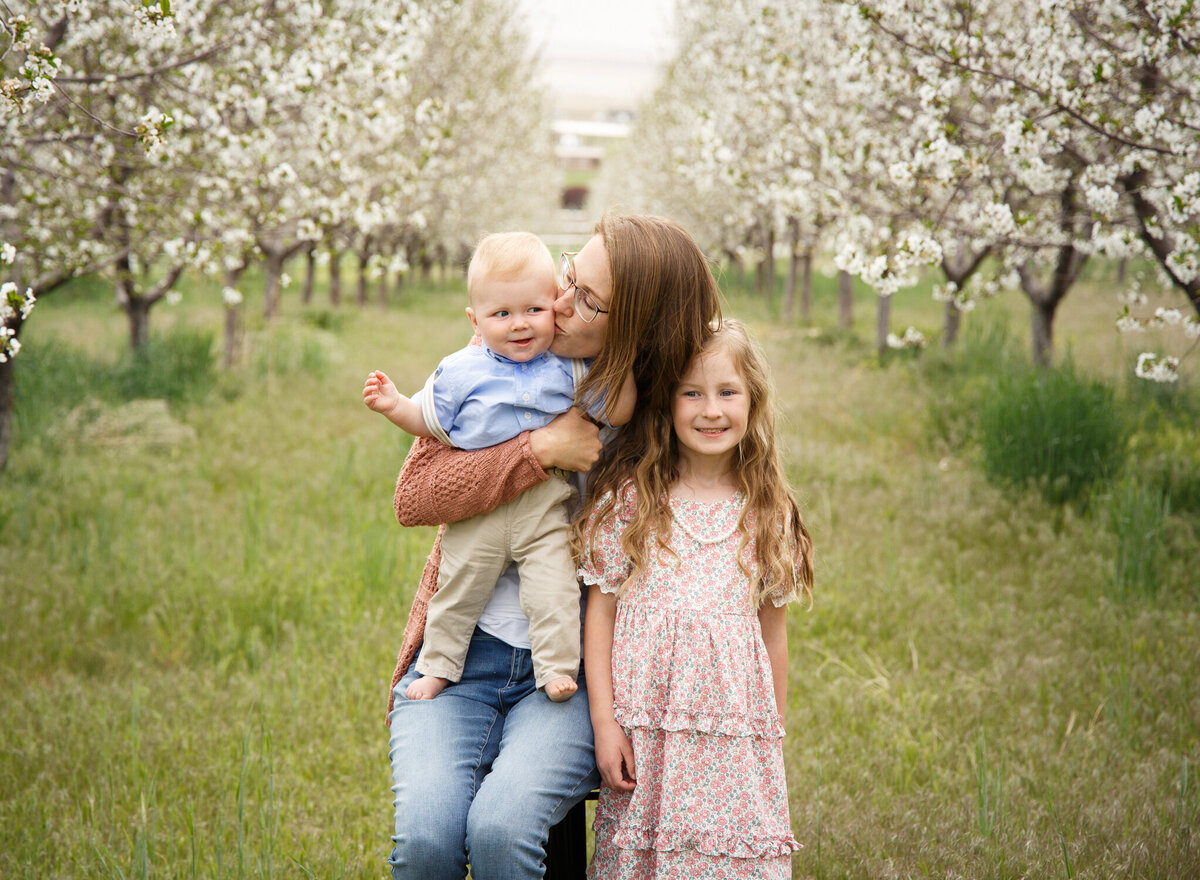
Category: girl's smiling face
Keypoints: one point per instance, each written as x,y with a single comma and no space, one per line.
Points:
710,410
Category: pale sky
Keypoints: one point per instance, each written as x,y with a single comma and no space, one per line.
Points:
601,54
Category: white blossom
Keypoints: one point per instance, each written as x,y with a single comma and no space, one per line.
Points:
901,173
912,338
998,220
1185,265
1157,368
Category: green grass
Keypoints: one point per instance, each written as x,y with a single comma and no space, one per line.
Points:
1138,516
198,634
1052,429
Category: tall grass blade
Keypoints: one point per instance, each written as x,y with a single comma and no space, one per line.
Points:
1137,515
1062,840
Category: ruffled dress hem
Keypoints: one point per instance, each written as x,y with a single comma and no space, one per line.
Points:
711,723
718,845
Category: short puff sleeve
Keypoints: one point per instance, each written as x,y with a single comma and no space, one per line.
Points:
604,563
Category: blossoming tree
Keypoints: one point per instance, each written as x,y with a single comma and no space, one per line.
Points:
1096,105
145,140
1036,133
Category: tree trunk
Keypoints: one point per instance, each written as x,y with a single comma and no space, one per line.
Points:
952,324
958,271
310,274
760,279
138,310
789,299
233,313
845,301
6,409
883,320
766,269
736,270
806,261
1043,333
413,257
363,259
382,288
440,262
277,257
232,274
335,278
1045,299
229,345
137,304
789,289
274,274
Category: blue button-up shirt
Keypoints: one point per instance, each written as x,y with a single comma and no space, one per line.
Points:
481,398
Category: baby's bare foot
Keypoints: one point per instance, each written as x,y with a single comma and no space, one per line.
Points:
560,689
426,687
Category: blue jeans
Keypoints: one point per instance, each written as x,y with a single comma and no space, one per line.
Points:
483,770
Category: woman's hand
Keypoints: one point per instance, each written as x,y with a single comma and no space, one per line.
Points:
614,757
570,442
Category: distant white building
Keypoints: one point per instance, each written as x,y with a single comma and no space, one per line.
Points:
581,144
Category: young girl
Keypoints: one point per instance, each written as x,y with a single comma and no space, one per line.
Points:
690,561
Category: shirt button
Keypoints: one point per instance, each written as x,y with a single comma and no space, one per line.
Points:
528,416
524,367
525,397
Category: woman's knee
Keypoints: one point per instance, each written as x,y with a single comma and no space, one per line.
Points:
426,853
503,845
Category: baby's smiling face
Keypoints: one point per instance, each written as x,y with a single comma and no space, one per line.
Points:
515,318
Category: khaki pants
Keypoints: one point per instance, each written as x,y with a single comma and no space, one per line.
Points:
532,530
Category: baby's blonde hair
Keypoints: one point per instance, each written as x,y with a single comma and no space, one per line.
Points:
507,256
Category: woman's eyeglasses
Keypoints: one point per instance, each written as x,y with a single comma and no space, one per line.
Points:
585,306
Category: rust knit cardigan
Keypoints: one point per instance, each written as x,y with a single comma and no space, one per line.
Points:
440,484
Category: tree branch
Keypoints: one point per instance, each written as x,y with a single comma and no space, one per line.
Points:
154,71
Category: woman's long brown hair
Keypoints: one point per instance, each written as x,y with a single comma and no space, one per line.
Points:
665,304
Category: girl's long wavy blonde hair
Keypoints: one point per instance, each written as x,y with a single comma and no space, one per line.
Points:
783,549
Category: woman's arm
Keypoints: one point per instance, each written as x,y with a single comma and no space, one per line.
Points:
774,631
440,484
614,753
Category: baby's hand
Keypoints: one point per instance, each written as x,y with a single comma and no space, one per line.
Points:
379,394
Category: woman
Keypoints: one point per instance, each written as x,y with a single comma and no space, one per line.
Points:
484,770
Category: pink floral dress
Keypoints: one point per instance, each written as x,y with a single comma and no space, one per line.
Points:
692,689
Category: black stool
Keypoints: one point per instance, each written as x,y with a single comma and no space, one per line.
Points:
566,850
